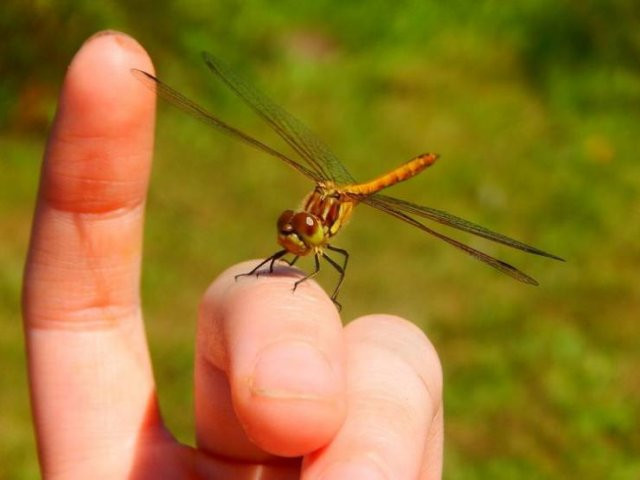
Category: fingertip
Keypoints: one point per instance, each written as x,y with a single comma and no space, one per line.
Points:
99,79
283,354
394,424
267,293
292,403
99,153
242,313
393,333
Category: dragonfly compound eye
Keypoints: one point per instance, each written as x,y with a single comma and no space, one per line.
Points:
308,227
284,222
290,237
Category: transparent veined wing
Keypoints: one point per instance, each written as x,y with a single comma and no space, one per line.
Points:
191,108
483,257
317,154
452,221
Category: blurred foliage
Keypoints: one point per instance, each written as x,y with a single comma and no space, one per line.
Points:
535,108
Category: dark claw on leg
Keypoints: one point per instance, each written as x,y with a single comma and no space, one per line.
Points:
337,304
278,256
271,259
292,262
341,270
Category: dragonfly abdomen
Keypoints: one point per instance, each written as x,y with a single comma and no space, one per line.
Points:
397,175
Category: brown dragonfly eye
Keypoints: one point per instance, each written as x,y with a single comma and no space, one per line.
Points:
305,224
284,221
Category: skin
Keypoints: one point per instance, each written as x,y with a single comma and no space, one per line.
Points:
282,389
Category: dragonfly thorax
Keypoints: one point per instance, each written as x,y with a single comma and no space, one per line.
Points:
324,212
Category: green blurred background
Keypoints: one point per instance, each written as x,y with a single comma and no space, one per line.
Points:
534,107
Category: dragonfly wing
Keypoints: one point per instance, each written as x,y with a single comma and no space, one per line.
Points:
293,131
458,223
190,107
483,257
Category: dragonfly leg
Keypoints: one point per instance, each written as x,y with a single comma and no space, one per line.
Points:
276,257
292,262
271,259
311,275
342,252
341,270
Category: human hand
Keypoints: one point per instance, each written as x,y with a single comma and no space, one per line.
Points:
282,389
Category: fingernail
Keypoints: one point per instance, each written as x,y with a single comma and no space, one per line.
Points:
295,370
105,32
362,470
102,33
123,39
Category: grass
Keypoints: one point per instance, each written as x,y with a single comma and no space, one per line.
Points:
534,110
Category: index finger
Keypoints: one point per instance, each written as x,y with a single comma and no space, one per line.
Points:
90,376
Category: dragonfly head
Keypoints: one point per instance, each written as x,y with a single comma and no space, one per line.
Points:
299,232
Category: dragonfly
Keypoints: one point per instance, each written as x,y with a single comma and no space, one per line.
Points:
310,229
